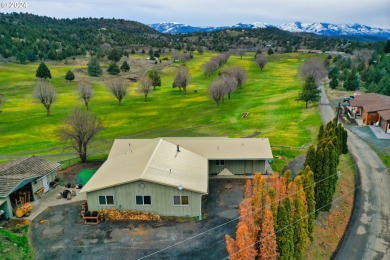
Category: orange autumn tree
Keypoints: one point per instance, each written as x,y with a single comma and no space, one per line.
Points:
268,248
244,247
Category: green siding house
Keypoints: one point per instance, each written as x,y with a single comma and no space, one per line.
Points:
169,176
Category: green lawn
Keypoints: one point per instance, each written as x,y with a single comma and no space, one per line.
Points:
269,97
14,243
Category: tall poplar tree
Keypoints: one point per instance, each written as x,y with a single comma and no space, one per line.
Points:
299,219
268,250
285,233
309,187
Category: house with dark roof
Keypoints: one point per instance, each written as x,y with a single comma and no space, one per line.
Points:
25,179
374,109
169,175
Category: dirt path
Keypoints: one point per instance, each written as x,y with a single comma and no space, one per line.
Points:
368,236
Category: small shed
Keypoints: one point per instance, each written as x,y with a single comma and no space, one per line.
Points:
30,176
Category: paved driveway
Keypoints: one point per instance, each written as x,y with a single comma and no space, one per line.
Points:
368,236
58,232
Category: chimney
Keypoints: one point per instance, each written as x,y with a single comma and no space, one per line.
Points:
178,148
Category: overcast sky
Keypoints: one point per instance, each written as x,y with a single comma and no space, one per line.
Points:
375,13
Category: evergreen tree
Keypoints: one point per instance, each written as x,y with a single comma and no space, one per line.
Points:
258,199
69,76
125,66
113,68
333,83
94,68
270,51
386,49
285,234
287,177
318,176
156,79
273,205
299,219
310,91
311,158
115,55
309,189
43,71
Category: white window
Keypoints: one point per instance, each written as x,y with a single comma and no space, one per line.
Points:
143,200
220,162
106,200
181,200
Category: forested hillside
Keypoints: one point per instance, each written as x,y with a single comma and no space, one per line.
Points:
27,38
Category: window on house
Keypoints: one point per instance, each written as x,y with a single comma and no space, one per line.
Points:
106,200
220,162
143,200
180,200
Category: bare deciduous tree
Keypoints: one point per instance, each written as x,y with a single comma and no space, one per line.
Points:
145,87
45,94
362,56
230,84
238,73
313,67
118,88
86,92
261,61
210,67
79,129
217,90
182,79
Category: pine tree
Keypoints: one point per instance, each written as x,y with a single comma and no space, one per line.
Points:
333,83
69,76
285,233
268,249
156,79
125,66
43,71
299,219
94,68
113,68
310,91
319,176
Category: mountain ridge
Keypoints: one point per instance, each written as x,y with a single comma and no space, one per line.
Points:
325,29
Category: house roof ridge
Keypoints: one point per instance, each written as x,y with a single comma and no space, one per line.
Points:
150,159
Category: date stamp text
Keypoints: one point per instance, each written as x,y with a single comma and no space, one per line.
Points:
13,5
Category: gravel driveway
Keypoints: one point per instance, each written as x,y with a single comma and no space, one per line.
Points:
58,232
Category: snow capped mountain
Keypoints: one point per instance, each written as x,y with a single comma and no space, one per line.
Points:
334,29
326,29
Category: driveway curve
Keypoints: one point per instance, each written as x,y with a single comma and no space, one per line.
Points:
368,236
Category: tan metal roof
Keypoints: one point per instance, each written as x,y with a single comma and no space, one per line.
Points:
226,148
153,160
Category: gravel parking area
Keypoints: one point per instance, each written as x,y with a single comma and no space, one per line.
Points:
58,232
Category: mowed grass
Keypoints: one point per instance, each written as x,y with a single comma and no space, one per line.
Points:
269,96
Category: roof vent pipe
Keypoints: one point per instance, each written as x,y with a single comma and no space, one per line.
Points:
178,148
